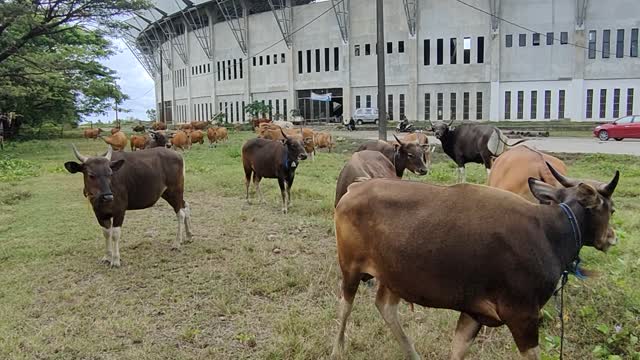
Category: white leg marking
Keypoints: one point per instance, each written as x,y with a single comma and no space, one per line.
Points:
115,236
389,313
488,172
181,217
343,314
107,245
531,354
187,220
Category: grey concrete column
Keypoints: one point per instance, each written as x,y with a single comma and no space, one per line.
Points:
247,80
347,112
188,76
214,73
494,96
411,103
173,86
574,99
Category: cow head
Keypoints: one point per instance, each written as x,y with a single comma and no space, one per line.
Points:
158,139
97,173
441,128
295,148
411,156
594,197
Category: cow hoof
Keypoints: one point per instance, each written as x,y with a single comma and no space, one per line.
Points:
284,211
105,260
175,247
115,263
189,238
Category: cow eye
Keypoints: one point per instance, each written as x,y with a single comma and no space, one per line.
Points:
410,155
92,177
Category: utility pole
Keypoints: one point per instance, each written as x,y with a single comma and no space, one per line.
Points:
382,109
161,88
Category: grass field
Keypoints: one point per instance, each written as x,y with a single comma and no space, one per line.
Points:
253,284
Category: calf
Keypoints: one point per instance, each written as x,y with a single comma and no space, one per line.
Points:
139,142
181,140
222,134
402,155
497,260
119,181
470,143
272,159
212,135
91,133
118,141
197,137
324,140
363,165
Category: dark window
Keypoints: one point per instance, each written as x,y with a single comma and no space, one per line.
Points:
270,110
616,103
629,102
356,50
620,43
534,105
508,41
440,105
299,62
390,105
224,71
254,61
220,108
241,71
336,58
308,61
439,51
368,101
589,111
278,107
209,68
268,59
603,103
507,105
317,60
465,106
550,38
564,38
400,46
479,105
427,52
592,44
367,49
520,105
561,95
282,58
547,104
231,112
634,43
452,106
275,59
427,106
522,40
481,50
357,101
452,51
235,69
389,47
229,69
243,112
402,113
226,111
466,56
284,108
606,43
260,61
536,39
326,59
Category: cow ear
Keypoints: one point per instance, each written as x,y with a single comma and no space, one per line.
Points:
588,196
116,165
73,167
543,191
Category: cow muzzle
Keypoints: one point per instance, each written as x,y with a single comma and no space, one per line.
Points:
106,197
302,157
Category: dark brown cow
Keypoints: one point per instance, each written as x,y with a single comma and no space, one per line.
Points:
200,125
91,133
402,155
487,253
364,164
157,125
272,159
119,181
157,139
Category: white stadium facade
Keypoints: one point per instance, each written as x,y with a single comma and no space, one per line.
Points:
445,59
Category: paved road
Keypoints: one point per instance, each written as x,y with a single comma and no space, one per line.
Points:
553,144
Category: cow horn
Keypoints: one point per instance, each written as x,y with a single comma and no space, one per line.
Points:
607,190
565,181
430,123
398,140
283,134
108,154
451,122
80,157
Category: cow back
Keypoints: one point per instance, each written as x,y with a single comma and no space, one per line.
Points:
383,147
366,164
264,157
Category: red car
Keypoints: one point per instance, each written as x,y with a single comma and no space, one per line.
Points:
624,128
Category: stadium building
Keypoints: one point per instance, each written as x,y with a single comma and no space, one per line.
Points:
445,59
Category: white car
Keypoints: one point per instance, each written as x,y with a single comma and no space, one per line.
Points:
366,115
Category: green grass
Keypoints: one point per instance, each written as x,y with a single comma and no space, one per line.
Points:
228,294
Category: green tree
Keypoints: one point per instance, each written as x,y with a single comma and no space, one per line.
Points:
257,108
152,114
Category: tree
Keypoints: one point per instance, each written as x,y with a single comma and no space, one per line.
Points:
257,108
152,114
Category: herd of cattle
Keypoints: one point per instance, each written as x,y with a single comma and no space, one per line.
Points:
493,253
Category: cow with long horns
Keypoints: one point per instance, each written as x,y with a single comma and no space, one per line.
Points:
119,181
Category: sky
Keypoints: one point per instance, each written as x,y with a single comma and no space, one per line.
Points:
133,80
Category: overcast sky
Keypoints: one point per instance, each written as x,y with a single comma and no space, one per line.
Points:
133,80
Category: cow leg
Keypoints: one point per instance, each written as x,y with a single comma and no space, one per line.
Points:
350,284
247,181
256,182
387,304
107,232
466,331
462,176
289,185
116,231
283,192
187,221
524,329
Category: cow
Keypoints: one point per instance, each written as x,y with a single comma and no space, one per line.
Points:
366,164
118,141
470,143
115,130
185,127
181,140
200,125
402,155
139,142
157,125
139,128
323,140
197,137
256,122
212,135
119,181
91,133
222,134
274,132
307,139
417,137
272,159
512,170
157,139
496,261
284,124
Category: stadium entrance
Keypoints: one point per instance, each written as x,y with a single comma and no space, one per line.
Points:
320,105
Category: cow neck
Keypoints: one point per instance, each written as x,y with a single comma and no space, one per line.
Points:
285,158
399,169
567,233
447,142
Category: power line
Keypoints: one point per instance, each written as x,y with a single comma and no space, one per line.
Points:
534,31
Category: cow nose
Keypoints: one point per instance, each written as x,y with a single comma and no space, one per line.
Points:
303,156
107,197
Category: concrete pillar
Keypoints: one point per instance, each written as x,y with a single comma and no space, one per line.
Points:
188,76
495,93
347,111
574,99
214,73
411,103
173,85
247,96
291,70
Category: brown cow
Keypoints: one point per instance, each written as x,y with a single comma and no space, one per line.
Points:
212,136
324,140
185,127
200,125
402,155
417,137
197,137
274,132
118,141
497,260
222,134
119,181
91,133
511,170
181,140
115,130
159,126
272,159
139,142
363,165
